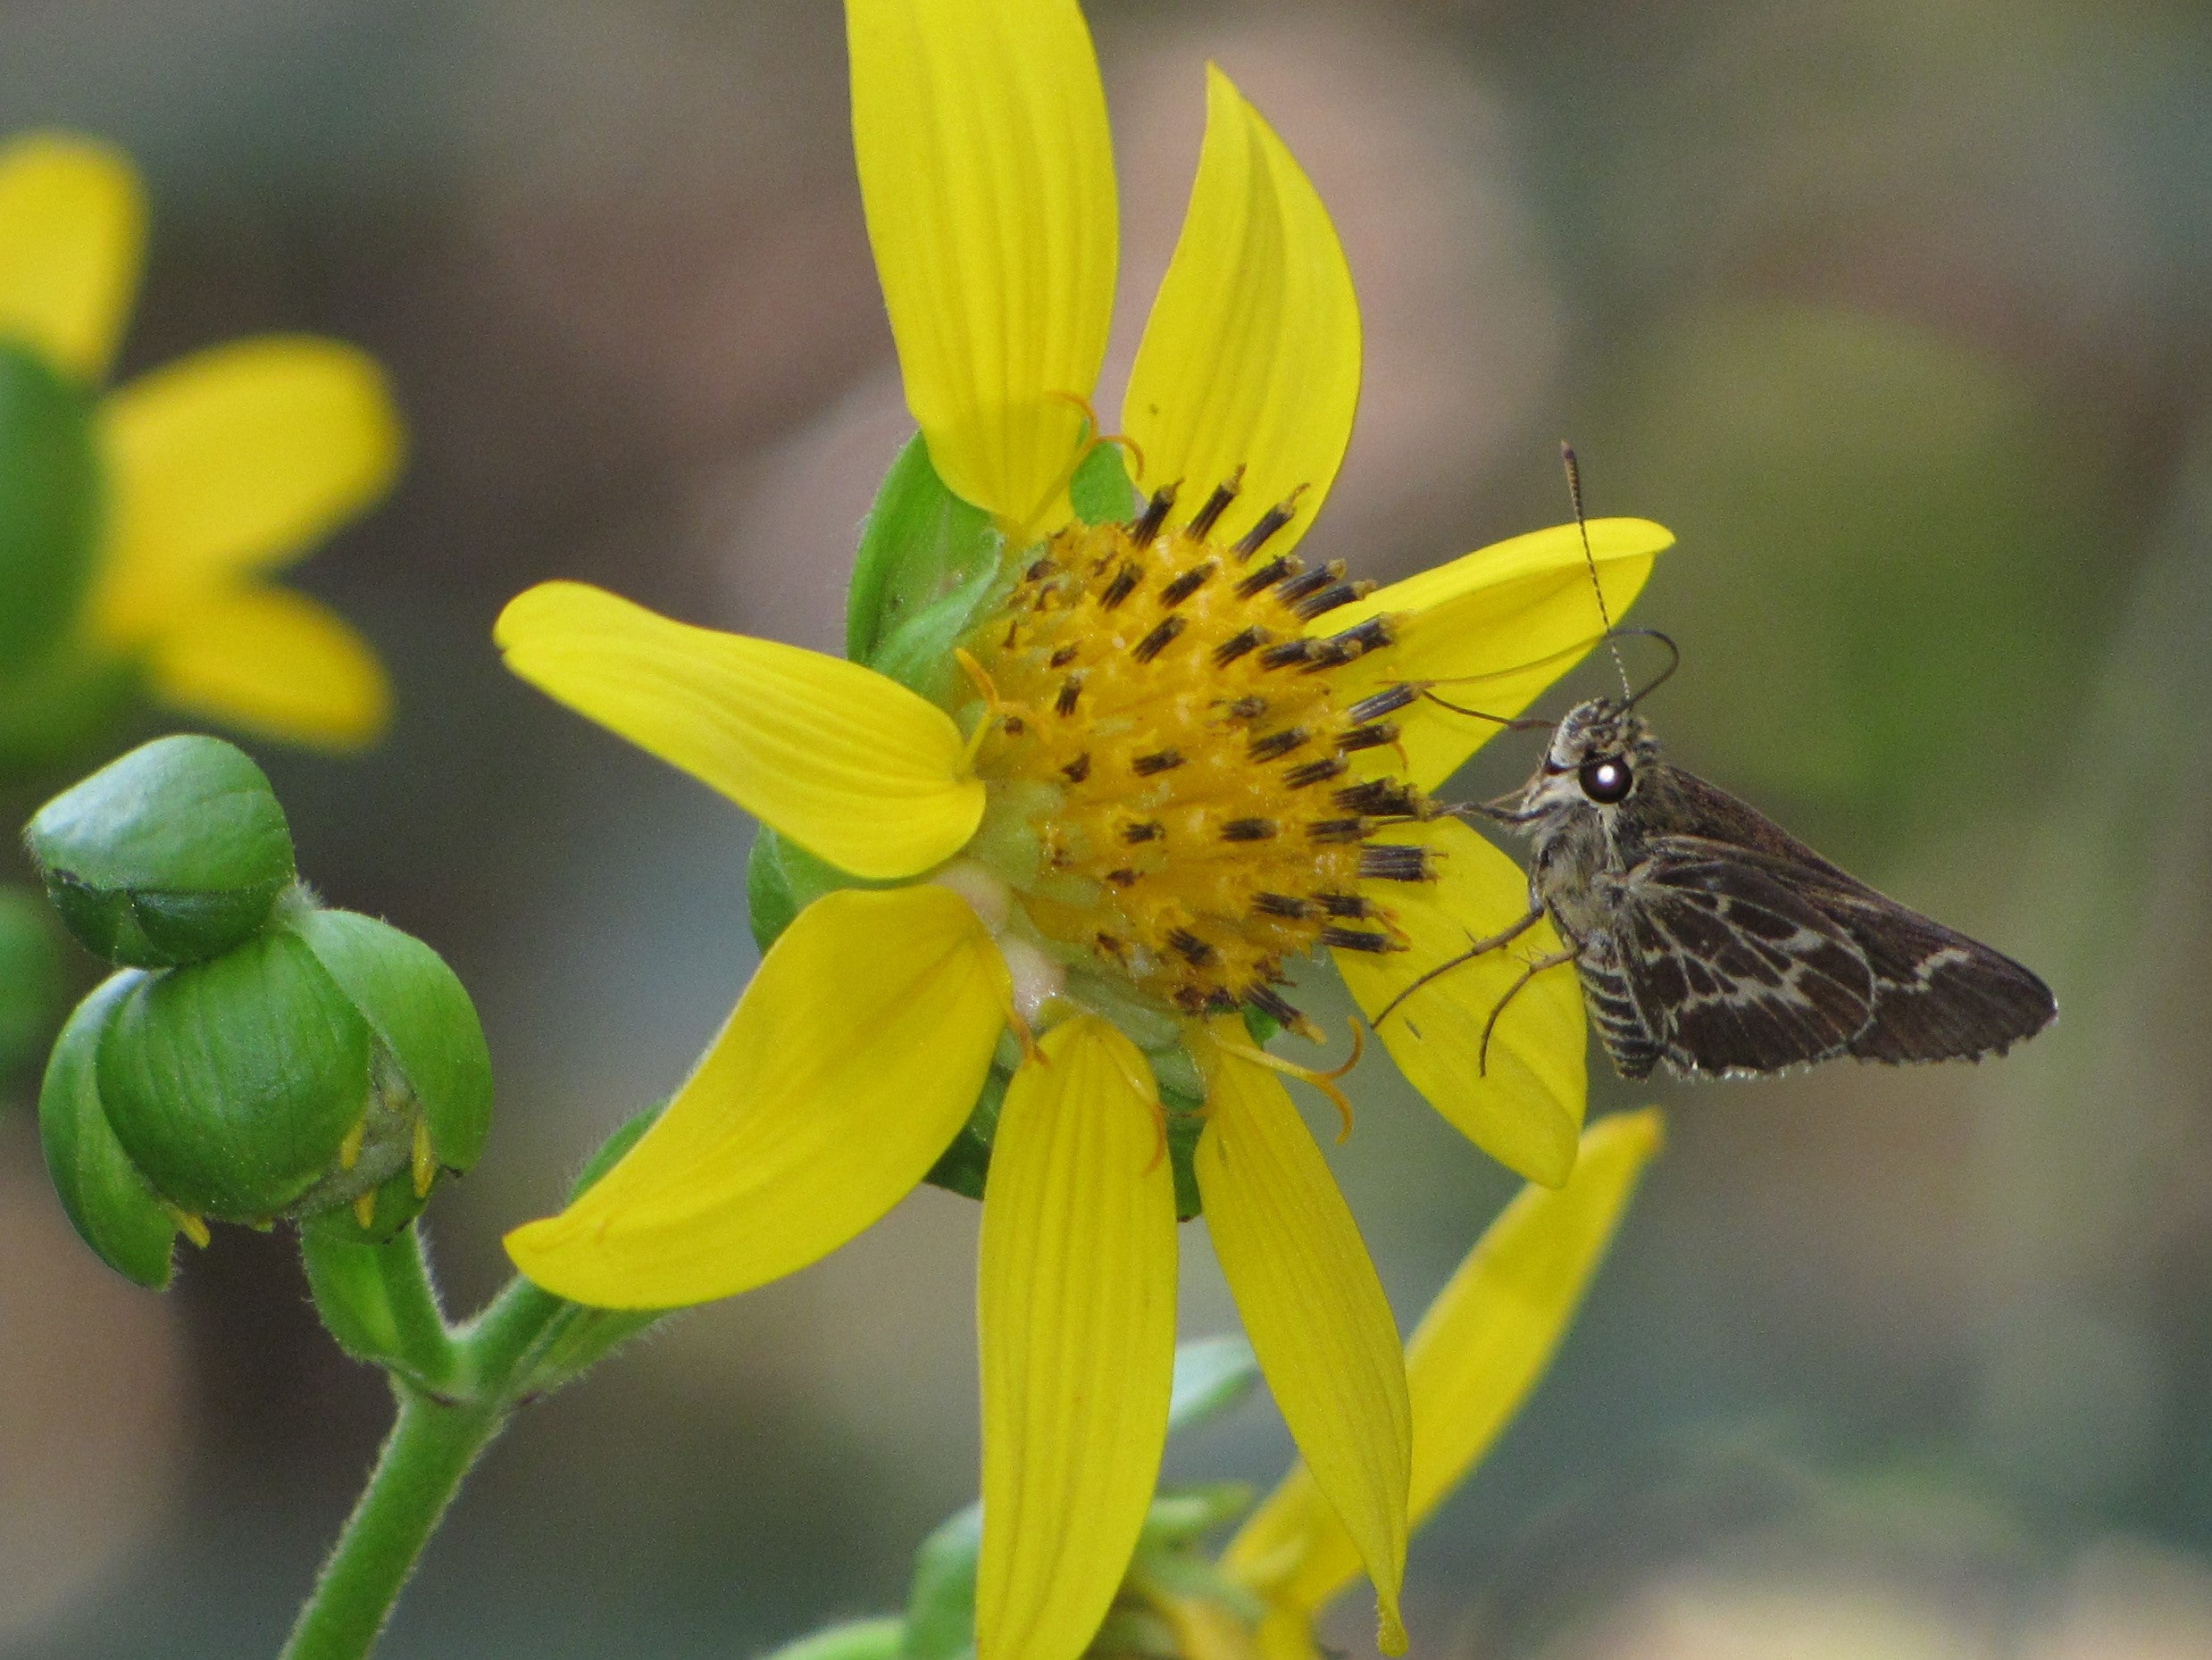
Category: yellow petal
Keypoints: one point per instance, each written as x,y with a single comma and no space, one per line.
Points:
1523,1108
1495,628
850,1064
272,661
1480,1349
852,766
1251,356
979,127
72,231
1077,1304
1315,1311
236,460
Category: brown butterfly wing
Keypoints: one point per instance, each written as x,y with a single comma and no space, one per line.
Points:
1936,993
1731,970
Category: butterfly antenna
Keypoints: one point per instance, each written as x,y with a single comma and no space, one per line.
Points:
1574,494
1674,661
1505,720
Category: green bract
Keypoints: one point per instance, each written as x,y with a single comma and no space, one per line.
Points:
922,543
171,854
110,1204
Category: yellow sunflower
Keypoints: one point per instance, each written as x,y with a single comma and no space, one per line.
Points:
199,479
1181,761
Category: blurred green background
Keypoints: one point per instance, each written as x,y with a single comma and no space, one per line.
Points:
1897,314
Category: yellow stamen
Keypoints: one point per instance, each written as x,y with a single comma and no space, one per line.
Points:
425,1160
1174,764
1324,1082
349,1149
980,678
188,1224
1159,1125
1092,440
364,1209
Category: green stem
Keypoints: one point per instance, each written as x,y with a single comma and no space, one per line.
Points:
501,1345
456,1391
431,1447
418,1321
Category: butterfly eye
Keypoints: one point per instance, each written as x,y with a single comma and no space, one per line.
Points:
1606,781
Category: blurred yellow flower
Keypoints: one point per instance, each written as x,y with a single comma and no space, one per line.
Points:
1182,765
1481,1347
216,470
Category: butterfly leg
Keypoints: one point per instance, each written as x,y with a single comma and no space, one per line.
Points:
1475,948
1504,810
1482,1055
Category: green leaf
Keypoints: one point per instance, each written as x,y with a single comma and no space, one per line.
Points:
1212,1375
173,853
940,1605
921,543
1100,491
855,1639
49,503
422,1013
112,1206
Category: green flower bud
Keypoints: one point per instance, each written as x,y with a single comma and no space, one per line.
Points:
325,1071
240,1086
112,1206
172,854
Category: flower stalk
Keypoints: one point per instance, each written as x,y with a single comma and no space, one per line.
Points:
457,1389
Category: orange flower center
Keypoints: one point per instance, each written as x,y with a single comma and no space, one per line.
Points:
1167,755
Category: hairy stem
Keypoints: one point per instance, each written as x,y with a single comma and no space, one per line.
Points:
456,1391
430,1448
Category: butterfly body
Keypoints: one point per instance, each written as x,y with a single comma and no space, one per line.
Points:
1711,940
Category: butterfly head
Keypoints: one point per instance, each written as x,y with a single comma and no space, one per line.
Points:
1595,761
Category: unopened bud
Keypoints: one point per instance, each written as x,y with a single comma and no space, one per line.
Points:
285,1061
172,854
